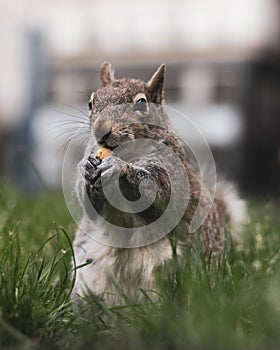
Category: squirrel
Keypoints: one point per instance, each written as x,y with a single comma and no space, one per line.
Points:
122,111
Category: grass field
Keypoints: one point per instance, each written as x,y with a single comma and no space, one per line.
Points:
235,307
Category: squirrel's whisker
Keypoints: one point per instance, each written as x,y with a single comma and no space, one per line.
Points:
83,111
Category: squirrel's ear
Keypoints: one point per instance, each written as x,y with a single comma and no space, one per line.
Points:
106,74
155,84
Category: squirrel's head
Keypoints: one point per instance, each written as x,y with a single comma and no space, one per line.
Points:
120,107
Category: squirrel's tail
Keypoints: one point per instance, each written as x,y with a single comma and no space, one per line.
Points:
235,209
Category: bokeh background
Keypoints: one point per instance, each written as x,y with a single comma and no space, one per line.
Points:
223,71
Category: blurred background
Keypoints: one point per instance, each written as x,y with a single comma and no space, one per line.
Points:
223,72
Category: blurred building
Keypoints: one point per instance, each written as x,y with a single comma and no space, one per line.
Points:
222,71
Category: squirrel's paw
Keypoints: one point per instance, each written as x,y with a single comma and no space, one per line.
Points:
93,169
88,167
112,166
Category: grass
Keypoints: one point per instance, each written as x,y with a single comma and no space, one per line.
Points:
235,307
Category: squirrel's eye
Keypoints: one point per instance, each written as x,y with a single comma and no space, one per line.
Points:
141,105
141,100
90,105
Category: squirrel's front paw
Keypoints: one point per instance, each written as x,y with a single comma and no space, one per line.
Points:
92,169
89,169
111,167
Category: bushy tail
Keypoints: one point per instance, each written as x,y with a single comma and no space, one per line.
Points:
235,208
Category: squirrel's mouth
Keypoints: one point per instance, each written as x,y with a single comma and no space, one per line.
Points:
106,135
115,136
107,141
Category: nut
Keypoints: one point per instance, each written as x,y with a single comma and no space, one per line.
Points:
104,153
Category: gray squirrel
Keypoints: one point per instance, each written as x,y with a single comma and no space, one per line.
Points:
126,110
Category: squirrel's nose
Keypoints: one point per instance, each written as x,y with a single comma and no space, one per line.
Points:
101,130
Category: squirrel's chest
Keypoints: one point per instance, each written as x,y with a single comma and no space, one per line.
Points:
131,269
